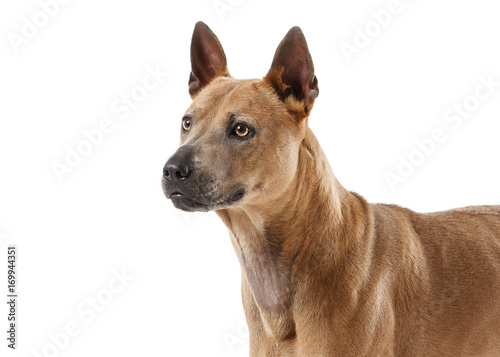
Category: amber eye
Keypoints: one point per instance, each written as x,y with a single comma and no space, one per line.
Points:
186,124
241,130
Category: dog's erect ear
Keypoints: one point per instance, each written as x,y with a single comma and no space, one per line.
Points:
208,60
292,73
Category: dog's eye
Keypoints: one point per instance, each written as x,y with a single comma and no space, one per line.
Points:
186,124
241,130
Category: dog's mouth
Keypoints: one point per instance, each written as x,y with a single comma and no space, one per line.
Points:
188,203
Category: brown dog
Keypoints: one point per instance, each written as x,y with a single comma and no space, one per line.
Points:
324,273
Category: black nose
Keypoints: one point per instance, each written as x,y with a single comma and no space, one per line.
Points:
177,171
179,167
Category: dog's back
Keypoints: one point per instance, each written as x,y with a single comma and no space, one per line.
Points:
446,278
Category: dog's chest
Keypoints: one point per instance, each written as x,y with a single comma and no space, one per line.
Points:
267,271
273,293
269,283
272,290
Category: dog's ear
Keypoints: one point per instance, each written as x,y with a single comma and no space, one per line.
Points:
208,60
292,73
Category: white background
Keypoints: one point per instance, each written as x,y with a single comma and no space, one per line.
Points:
110,212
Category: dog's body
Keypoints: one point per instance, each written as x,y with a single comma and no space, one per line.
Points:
324,273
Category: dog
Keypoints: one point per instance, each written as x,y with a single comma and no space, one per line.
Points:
324,273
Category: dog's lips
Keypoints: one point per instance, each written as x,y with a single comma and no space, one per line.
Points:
187,203
237,196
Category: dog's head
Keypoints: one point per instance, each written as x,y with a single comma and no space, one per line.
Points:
240,138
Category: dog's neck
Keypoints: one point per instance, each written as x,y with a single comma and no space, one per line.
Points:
273,241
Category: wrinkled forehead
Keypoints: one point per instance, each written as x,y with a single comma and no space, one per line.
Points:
226,97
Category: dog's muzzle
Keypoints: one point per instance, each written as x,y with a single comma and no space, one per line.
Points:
191,189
